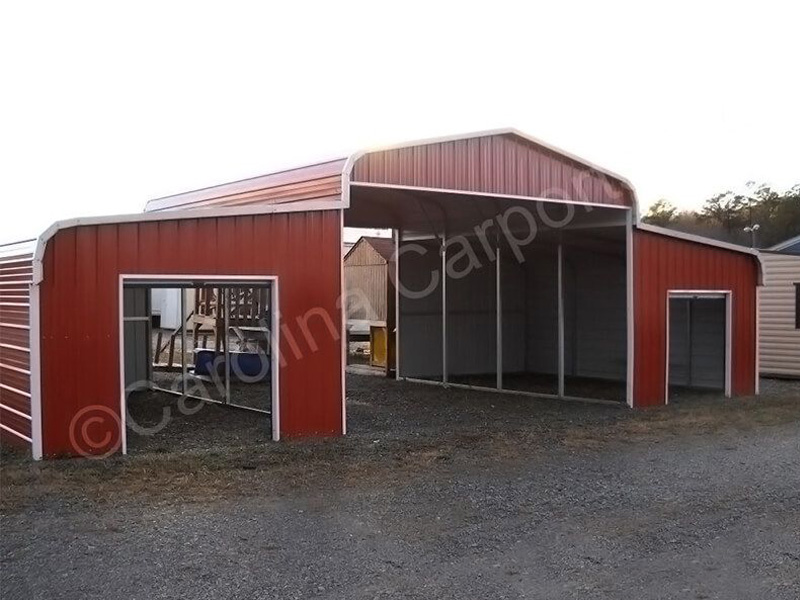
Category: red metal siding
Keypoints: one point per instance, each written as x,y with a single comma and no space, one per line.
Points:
321,181
15,378
80,320
500,164
663,263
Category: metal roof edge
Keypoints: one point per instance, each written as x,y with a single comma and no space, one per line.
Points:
19,248
240,181
784,244
699,239
170,215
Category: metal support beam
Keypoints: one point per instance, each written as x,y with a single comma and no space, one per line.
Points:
227,323
630,309
499,320
444,307
184,367
397,239
561,386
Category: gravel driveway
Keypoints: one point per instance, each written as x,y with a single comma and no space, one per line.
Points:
435,494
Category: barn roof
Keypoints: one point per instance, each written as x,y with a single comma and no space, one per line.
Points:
382,245
790,246
501,162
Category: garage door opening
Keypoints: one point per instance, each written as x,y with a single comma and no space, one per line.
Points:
699,342
192,343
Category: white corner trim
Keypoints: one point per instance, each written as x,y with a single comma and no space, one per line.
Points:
36,374
343,308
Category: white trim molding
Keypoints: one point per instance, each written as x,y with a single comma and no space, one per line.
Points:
36,374
143,279
727,295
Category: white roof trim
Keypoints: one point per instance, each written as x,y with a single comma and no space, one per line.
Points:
17,248
347,170
173,215
698,239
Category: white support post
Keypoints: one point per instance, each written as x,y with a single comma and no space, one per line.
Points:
499,320
397,236
226,307
561,386
184,369
444,307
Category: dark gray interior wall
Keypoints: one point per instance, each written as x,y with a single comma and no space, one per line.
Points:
595,314
594,305
420,306
596,336
471,312
697,342
136,335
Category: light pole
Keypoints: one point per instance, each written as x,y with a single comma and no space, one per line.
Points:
752,229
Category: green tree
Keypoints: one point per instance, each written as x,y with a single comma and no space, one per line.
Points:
661,213
726,209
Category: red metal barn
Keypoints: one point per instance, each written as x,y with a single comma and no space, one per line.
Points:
518,268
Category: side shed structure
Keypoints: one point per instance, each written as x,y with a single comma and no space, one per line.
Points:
518,267
780,310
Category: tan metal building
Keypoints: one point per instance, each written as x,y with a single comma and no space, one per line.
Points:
780,310
366,278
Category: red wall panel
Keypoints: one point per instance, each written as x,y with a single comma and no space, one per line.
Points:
80,309
663,263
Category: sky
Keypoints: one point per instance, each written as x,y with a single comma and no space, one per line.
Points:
105,105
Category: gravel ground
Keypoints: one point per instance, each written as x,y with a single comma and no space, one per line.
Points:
435,494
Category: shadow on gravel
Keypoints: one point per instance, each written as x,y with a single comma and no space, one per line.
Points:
396,431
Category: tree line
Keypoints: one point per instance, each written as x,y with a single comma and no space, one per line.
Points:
761,217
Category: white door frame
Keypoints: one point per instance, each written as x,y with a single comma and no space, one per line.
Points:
726,295
144,278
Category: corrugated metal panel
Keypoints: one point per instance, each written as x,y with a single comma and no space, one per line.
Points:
779,337
15,379
366,280
80,320
322,181
664,263
499,164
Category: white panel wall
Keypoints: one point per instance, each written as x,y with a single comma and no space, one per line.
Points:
779,338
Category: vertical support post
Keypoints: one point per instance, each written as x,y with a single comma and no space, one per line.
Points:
629,301
184,370
689,333
397,239
444,307
561,386
227,322
499,319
